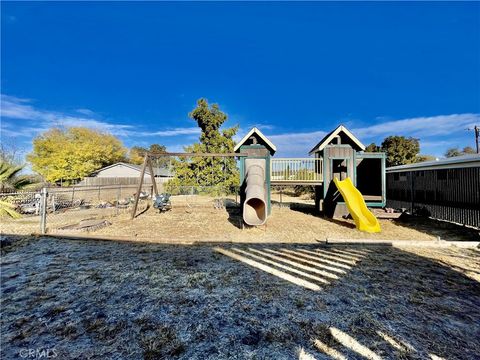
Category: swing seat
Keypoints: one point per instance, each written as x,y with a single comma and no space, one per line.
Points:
162,202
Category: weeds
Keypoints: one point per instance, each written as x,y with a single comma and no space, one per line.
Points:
163,343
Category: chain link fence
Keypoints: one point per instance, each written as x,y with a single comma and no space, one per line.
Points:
198,196
27,207
86,208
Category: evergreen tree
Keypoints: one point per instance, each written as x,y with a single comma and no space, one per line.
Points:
136,155
208,171
452,152
400,150
372,148
468,150
421,158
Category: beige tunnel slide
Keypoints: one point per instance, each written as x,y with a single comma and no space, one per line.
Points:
255,205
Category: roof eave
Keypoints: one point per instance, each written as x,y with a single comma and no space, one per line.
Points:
272,147
329,137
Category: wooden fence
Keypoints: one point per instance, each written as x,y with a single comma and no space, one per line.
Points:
103,181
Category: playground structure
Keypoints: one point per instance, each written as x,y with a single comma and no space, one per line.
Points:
255,176
363,218
337,157
343,156
255,203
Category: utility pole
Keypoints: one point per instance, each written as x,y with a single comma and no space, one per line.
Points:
476,131
477,135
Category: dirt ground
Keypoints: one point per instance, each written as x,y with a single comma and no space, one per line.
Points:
198,219
91,299
297,224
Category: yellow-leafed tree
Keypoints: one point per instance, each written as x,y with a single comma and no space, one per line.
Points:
72,153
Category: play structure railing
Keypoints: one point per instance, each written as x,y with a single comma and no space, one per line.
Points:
296,170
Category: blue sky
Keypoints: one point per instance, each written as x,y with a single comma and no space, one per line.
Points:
295,70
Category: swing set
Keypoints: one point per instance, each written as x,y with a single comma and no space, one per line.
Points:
147,163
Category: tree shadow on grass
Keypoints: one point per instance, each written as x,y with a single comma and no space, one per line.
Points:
309,209
443,229
108,299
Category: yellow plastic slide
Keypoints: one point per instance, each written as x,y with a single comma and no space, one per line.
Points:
364,219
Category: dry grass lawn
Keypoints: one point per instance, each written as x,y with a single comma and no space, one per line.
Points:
131,300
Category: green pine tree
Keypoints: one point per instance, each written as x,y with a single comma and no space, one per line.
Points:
400,150
208,171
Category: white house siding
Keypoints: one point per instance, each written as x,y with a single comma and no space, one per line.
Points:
120,174
119,171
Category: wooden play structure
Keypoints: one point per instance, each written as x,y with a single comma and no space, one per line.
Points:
255,191
339,155
342,156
